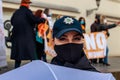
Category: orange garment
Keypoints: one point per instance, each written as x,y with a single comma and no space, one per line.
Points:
42,27
45,32
24,4
83,27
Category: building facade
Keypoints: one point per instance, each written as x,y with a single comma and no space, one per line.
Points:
76,8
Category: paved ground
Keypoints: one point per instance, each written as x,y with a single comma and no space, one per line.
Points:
114,67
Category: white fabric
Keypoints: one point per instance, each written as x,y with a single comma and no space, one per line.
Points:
38,70
48,50
44,16
50,22
2,40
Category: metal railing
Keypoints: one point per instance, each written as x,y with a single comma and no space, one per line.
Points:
8,27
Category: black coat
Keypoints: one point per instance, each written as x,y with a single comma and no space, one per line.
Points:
97,27
83,63
23,35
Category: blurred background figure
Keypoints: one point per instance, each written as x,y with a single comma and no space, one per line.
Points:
83,24
48,16
58,16
98,26
23,35
39,38
48,13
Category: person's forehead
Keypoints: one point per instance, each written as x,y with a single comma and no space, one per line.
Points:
82,19
71,33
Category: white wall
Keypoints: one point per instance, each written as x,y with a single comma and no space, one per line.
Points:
114,42
7,13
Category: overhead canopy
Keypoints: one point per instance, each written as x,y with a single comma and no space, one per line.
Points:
109,8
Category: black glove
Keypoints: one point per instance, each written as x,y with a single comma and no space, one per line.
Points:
43,20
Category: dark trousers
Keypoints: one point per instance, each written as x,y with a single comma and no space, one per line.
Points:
17,63
40,51
95,60
44,58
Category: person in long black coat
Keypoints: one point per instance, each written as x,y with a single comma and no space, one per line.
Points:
23,35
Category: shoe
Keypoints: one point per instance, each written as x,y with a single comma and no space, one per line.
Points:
106,64
94,63
101,62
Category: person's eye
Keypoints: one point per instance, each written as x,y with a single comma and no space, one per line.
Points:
77,38
62,39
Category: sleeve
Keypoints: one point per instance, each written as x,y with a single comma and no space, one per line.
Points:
92,28
12,18
33,18
105,27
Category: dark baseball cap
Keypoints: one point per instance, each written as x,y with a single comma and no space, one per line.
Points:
66,24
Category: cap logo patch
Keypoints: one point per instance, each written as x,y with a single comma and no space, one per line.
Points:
68,20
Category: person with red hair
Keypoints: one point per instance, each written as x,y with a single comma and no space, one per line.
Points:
39,38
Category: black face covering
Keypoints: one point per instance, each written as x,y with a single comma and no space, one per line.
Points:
69,52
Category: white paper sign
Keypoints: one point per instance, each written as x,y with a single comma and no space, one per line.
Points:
95,45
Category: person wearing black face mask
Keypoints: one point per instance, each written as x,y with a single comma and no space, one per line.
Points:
68,44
